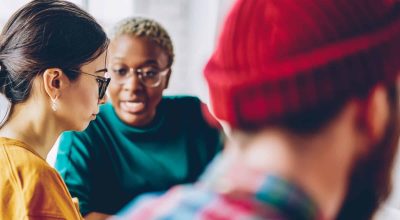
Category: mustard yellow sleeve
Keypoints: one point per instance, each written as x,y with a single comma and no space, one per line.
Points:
48,197
30,188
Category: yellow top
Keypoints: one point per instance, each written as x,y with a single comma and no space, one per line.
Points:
29,187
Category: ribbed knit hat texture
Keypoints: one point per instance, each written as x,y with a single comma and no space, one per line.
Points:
280,57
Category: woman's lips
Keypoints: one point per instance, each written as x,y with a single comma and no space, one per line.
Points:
132,106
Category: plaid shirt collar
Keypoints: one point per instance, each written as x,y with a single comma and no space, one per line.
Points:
271,192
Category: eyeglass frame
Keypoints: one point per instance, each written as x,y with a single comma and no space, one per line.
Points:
132,71
102,81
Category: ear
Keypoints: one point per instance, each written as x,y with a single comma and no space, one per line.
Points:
377,113
52,80
167,78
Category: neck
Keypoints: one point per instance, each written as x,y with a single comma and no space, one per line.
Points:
319,164
35,128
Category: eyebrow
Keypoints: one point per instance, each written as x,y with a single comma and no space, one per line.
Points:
102,70
146,62
150,62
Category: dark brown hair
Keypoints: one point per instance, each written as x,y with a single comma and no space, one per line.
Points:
46,34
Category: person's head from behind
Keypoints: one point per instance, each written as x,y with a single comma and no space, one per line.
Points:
53,61
337,66
140,59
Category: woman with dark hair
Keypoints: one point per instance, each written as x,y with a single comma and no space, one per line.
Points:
52,72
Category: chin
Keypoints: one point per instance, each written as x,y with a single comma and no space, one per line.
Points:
135,121
81,127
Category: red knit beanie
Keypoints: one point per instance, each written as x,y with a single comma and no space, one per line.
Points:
280,57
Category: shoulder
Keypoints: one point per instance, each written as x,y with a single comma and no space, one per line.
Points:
184,104
42,186
29,172
69,143
191,201
32,184
181,100
70,138
22,159
74,147
28,168
191,109
180,202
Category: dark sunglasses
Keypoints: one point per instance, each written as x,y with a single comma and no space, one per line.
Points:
102,81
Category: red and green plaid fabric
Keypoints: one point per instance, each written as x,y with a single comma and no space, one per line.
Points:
227,191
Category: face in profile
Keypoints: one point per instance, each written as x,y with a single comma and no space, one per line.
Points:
140,72
79,101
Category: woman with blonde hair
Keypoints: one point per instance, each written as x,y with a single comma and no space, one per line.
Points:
142,141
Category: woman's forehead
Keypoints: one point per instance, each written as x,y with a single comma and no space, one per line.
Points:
97,64
126,45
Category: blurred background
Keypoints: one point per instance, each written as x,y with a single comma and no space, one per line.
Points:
192,24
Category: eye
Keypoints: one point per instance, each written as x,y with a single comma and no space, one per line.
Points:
149,73
121,71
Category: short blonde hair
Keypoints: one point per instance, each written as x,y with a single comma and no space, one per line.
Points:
145,27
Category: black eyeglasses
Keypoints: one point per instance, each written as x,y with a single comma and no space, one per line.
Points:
102,81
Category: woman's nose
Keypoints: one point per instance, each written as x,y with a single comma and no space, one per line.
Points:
132,82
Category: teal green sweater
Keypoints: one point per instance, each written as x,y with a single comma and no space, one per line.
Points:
110,163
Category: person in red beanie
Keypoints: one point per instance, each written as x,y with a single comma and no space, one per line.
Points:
308,90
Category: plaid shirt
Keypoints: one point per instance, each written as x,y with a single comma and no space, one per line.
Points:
227,191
